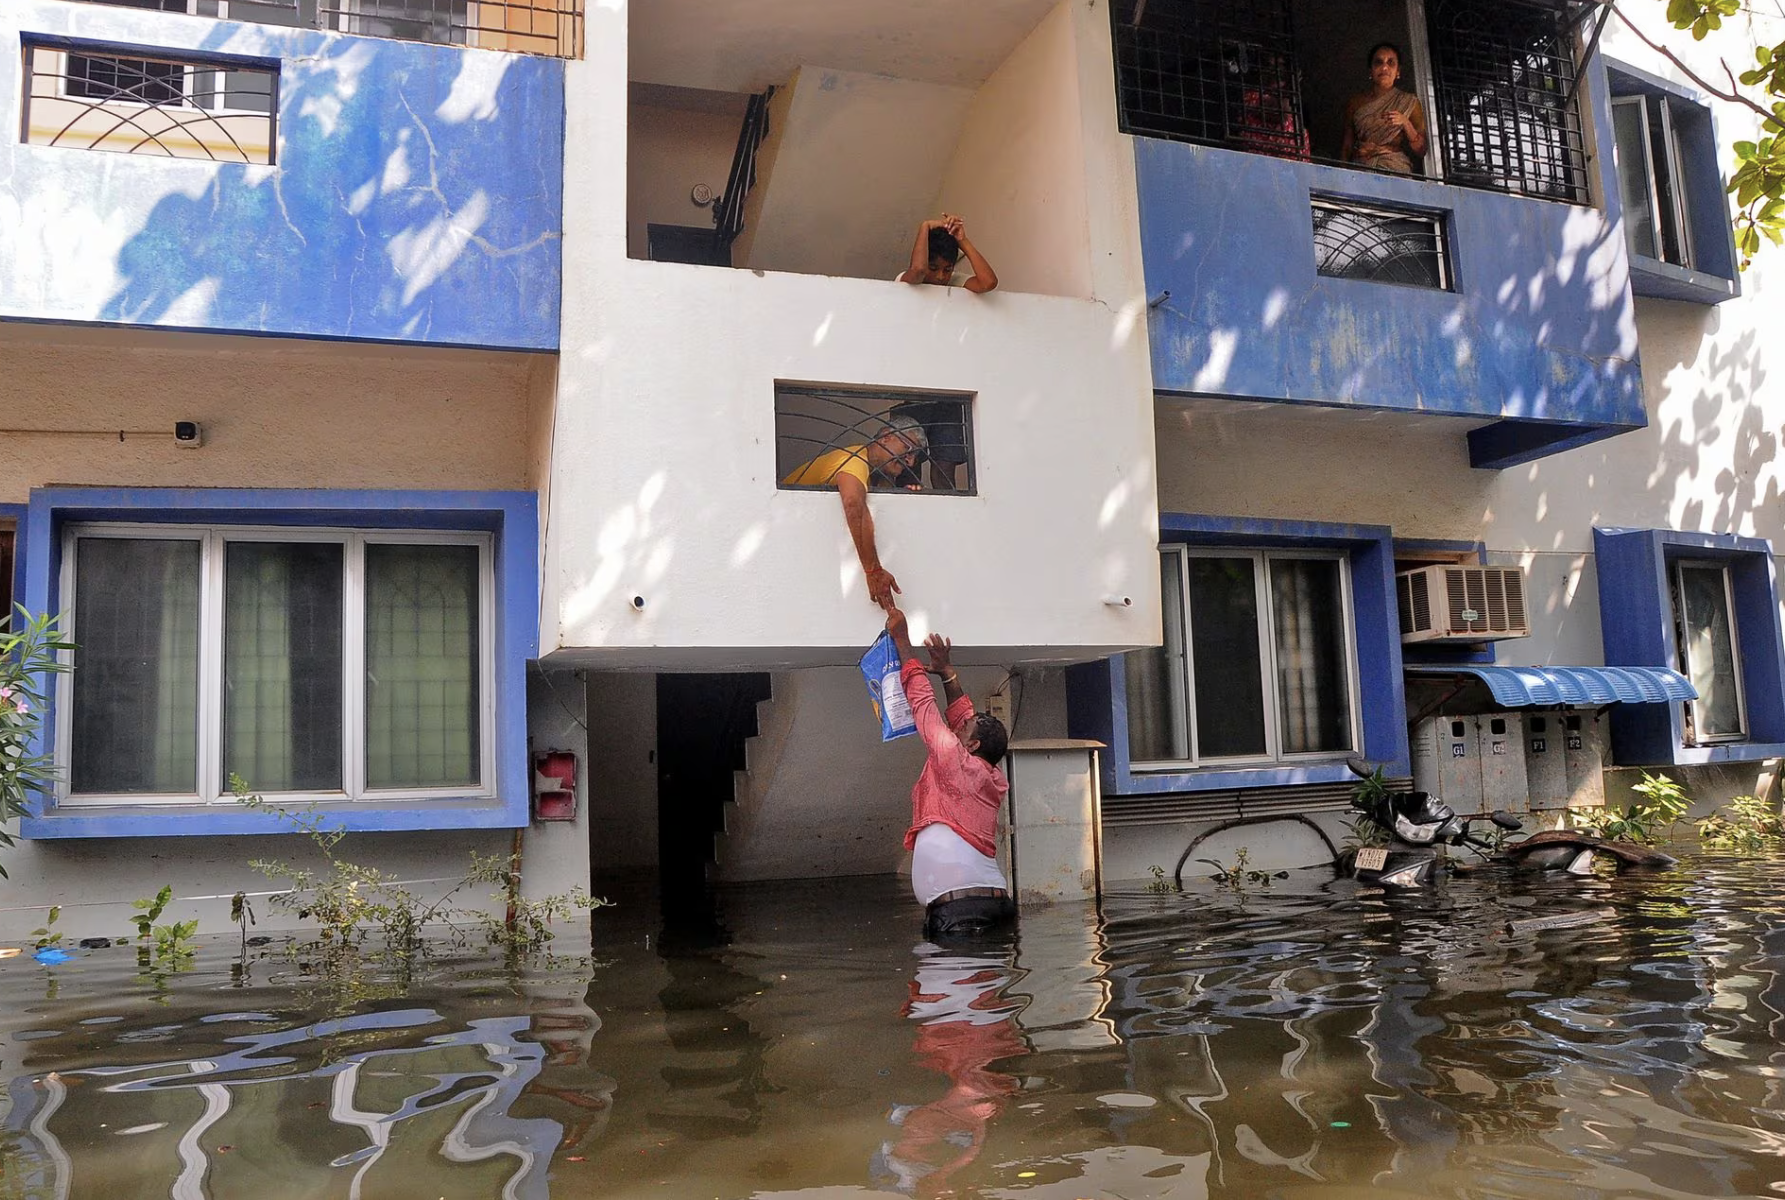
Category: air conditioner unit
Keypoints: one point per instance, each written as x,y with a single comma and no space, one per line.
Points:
1461,604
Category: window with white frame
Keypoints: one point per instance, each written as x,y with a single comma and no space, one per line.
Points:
1257,663
1704,620
313,663
1651,180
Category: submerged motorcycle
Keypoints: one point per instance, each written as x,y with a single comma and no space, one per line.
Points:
1420,826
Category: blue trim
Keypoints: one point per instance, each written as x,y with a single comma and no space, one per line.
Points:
1097,693
1636,616
513,517
16,513
1716,277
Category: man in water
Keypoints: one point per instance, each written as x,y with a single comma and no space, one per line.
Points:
892,458
954,804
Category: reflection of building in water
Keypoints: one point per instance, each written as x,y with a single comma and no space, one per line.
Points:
435,1113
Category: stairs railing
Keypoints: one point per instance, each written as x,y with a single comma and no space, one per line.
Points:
728,213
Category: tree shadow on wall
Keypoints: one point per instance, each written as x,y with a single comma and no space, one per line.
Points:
416,196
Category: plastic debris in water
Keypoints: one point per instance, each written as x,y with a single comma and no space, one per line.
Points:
1341,1124
49,954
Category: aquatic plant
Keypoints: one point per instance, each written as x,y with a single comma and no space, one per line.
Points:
30,652
351,903
1160,883
1746,823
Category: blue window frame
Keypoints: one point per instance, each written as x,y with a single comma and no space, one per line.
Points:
1705,604
12,526
1282,574
1670,189
365,651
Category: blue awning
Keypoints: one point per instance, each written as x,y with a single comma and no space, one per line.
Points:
1547,687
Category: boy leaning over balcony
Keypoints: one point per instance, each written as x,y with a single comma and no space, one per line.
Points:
954,804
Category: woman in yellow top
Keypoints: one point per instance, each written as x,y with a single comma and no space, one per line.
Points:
1384,125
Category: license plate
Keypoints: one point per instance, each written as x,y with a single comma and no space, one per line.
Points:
1372,858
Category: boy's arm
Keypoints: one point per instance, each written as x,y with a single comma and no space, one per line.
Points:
920,254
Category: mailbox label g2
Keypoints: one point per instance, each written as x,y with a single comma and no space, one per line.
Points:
1499,747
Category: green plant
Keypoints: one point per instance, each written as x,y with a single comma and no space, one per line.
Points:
1746,823
1159,883
46,935
352,903
148,911
1363,831
1238,875
30,652
1664,803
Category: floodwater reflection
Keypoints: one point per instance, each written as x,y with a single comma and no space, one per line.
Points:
1312,1040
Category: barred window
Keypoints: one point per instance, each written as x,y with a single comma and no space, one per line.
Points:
1508,109
1216,71
1380,244
893,441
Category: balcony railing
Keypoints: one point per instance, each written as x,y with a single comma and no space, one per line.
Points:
553,27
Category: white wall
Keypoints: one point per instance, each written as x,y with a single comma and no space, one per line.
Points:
679,138
854,165
664,483
1018,172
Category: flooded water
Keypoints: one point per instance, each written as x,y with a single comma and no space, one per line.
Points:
1309,1040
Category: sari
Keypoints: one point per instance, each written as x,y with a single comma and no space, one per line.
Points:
1370,126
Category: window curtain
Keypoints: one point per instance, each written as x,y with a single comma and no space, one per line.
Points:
1155,683
1313,691
1710,652
136,666
422,677
282,716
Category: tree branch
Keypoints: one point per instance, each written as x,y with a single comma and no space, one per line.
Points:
1733,96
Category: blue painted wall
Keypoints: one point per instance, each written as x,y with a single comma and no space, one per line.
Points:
1540,332
513,517
1636,616
417,195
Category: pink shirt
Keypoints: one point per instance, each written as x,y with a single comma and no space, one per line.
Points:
957,789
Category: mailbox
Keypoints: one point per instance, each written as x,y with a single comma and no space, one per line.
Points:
554,786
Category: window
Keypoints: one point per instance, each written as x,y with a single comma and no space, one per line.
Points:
1670,183
896,441
1704,619
328,664
1257,664
1273,77
1383,245
1650,180
130,103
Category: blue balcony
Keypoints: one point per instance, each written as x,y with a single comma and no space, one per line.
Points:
209,175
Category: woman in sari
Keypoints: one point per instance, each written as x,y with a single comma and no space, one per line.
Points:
1385,128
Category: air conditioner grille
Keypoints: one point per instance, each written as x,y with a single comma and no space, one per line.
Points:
1479,603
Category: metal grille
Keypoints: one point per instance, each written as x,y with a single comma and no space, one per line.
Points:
177,108
1505,81
728,212
1226,805
821,432
1215,71
553,27
1381,245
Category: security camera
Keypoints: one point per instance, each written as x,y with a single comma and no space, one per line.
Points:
188,435
638,604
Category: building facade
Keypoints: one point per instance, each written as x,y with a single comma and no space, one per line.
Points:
395,397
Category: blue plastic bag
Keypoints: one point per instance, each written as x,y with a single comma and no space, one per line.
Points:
880,668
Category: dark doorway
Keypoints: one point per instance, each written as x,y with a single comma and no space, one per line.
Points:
703,722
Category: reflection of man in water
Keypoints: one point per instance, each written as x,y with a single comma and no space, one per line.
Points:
967,1025
954,804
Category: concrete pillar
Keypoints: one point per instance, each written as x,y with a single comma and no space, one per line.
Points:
1055,830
